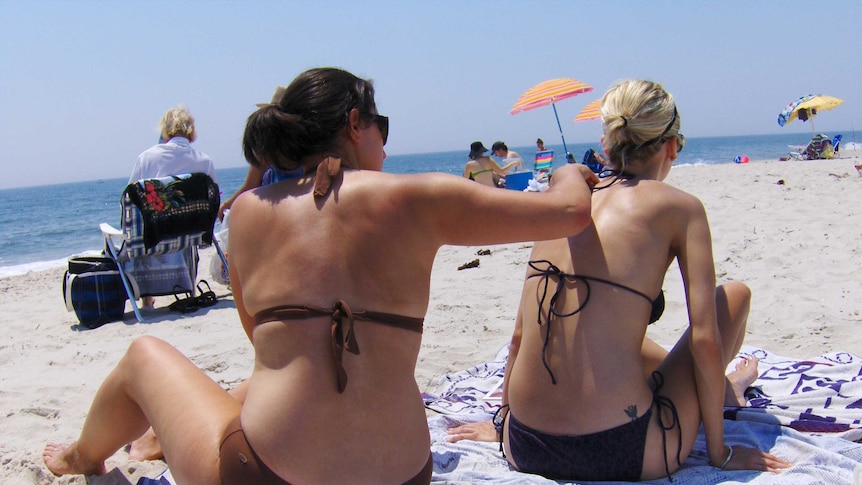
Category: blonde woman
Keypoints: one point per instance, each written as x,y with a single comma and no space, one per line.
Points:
587,396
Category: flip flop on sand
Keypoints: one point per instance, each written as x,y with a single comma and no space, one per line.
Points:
206,298
471,264
184,305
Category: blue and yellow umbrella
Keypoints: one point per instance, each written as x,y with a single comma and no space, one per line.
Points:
807,107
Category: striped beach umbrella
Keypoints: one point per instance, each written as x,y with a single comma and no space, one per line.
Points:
592,111
550,92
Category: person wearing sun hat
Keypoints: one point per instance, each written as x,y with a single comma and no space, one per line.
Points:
483,169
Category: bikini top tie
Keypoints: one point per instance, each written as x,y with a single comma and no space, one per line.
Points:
551,270
326,170
341,327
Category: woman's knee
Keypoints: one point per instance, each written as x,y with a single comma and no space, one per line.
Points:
144,350
735,296
737,290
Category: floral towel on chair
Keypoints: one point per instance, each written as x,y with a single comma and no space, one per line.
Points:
173,206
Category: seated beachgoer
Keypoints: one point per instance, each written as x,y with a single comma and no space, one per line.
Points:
586,395
173,155
330,272
819,147
501,150
483,169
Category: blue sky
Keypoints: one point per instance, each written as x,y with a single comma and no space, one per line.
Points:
84,83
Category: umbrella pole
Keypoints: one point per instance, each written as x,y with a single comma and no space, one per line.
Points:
561,130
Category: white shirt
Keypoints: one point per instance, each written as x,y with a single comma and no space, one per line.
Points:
174,157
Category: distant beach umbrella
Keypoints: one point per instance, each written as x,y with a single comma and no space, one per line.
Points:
550,92
807,107
592,111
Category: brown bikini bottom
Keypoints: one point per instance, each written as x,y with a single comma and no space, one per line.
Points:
240,465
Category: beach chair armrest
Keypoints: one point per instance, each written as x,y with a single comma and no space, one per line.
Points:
109,230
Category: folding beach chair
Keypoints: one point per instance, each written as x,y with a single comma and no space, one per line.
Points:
836,143
797,152
164,222
591,161
542,167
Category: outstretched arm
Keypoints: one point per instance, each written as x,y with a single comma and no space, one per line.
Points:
467,214
501,171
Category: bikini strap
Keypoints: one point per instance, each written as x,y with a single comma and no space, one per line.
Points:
341,330
662,402
499,421
561,278
552,269
342,335
326,170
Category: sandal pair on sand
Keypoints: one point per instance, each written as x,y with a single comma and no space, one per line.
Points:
191,303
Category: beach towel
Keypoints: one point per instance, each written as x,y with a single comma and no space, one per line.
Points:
805,411
172,207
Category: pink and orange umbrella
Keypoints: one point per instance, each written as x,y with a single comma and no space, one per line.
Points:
591,111
549,92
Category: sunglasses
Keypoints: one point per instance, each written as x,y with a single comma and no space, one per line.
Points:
680,143
382,123
660,138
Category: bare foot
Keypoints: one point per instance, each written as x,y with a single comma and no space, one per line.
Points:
738,381
64,460
146,447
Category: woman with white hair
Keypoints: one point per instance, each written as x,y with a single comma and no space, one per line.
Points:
174,154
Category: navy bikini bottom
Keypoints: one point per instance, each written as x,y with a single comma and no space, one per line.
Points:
612,454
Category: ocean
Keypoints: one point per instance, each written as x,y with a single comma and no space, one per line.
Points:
40,227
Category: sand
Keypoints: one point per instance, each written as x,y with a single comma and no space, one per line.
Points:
791,230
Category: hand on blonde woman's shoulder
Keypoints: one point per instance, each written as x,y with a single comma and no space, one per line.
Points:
575,168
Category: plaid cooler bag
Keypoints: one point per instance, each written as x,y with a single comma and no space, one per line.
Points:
93,289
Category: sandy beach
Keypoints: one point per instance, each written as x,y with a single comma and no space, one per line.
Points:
790,230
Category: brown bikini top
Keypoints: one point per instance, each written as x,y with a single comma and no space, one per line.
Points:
341,327
326,169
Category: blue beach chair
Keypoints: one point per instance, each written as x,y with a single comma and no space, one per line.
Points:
591,161
836,143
